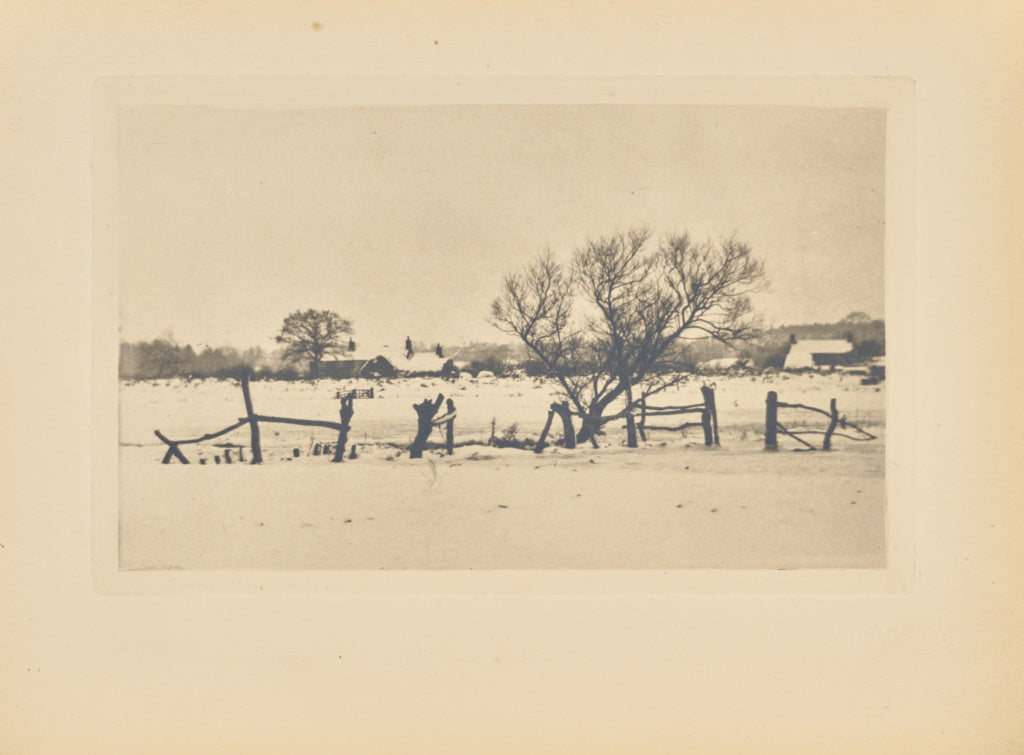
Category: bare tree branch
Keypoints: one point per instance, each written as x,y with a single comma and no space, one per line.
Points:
634,306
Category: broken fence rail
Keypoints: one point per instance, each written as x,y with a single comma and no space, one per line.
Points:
253,420
772,426
707,409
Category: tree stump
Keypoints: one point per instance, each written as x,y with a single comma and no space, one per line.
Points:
425,412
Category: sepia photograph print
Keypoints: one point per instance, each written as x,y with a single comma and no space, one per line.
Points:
511,378
534,333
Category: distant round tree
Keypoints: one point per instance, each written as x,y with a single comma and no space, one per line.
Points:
313,335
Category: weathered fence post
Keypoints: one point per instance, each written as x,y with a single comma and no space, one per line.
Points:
544,433
449,429
172,450
643,419
630,420
425,412
705,423
254,425
568,433
709,404
833,423
771,421
346,420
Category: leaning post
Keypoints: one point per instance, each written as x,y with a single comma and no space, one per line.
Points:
542,442
833,423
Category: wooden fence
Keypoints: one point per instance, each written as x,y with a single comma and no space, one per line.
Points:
253,419
355,393
706,408
772,426
708,416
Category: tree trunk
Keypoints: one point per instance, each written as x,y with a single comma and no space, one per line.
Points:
568,433
588,429
425,412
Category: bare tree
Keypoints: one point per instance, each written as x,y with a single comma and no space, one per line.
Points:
313,335
634,306
163,358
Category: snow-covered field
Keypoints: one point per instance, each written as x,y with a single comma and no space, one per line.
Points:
670,504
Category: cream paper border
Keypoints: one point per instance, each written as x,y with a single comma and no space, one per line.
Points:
933,669
893,95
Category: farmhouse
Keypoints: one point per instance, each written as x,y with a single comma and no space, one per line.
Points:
425,363
386,361
357,366
818,354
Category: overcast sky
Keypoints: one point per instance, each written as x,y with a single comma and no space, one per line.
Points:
405,219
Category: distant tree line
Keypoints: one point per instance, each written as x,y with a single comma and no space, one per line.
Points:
768,348
162,358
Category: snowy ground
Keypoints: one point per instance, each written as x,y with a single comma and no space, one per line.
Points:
670,504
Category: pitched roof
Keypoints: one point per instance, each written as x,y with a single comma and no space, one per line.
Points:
421,361
801,354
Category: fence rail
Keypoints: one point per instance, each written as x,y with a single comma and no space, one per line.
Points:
355,393
772,426
253,419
